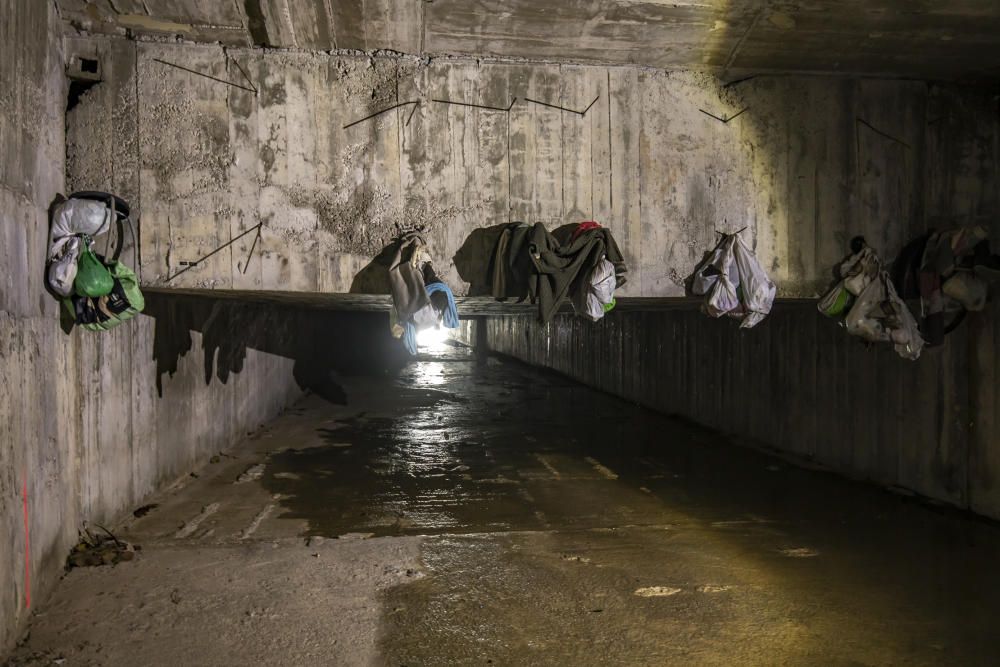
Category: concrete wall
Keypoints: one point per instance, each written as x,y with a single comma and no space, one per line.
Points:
894,38
92,422
799,384
809,163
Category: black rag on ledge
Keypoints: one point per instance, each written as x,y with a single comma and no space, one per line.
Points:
530,263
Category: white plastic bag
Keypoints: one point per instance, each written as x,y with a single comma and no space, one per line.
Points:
707,273
80,216
880,316
865,319
859,270
734,283
905,333
758,290
716,278
722,299
599,291
62,270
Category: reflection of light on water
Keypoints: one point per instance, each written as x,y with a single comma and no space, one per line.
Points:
433,339
429,373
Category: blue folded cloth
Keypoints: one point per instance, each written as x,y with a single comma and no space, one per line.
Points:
451,312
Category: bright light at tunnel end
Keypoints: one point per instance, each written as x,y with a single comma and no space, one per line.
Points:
433,339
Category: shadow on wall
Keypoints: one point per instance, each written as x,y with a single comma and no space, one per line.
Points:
374,278
323,344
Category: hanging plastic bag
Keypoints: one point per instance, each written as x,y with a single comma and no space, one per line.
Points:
92,278
733,283
598,291
880,316
856,273
865,319
904,331
707,273
722,298
757,289
859,270
80,216
62,271
837,301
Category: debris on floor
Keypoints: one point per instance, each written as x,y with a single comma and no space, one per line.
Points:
144,510
656,591
95,550
256,471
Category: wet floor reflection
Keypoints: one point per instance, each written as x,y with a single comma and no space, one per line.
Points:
555,504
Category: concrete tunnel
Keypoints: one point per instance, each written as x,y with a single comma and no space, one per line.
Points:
214,451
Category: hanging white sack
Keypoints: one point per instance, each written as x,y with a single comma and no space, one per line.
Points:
905,333
880,316
758,290
597,292
717,278
62,271
80,216
707,273
859,270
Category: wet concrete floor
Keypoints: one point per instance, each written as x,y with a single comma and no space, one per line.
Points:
533,521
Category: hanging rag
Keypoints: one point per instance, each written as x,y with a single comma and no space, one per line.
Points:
733,283
585,226
406,282
945,254
449,317
530,263
511,265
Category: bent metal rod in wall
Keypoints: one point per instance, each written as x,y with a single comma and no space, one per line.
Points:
190,265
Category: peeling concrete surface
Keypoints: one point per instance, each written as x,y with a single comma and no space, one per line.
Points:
807,164
92,422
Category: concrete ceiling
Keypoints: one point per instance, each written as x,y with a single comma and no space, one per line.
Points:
955,40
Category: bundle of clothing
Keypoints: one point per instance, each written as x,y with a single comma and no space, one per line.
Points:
950,272
99,293
733,283
865,300
420,299
530,263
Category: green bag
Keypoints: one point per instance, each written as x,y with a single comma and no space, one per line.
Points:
121,304
836,302
92,278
